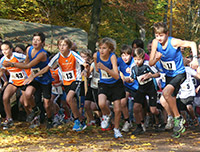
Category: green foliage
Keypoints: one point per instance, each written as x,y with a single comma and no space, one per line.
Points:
120,19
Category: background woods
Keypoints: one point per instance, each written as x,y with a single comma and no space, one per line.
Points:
123,20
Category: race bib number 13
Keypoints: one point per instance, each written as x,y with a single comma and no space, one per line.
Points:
68,76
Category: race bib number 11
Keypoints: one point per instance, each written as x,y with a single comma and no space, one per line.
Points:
169,65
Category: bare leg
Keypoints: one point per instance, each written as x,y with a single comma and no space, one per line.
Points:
102,99
8,93
117,110
167,93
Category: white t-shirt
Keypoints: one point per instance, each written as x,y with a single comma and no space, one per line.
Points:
187,87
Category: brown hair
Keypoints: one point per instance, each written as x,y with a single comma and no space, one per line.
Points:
160,27
109,42
41,35
66,40
126,49
87,52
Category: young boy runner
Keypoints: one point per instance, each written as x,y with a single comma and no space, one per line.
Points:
187,93
167,50
16,80
69,63
147,86
37,59
124,64
110,85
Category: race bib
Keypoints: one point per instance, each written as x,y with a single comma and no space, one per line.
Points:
186,87
36,70
139,78
163,78
169,65
17,75
57,90
94,82
68,76
105,75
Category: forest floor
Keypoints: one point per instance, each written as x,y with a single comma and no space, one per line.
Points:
21,138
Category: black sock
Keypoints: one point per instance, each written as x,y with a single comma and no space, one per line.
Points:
75,119
142,121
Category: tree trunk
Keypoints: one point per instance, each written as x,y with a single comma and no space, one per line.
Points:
166,10
171,18
95,20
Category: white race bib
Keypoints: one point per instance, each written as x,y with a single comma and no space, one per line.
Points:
17,75
68,76
94,83
57,90
186,86
143,82
169,65
105,75
163,78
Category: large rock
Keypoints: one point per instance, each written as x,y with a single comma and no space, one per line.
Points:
22,32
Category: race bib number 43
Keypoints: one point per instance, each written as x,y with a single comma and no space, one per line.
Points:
17,75
169,65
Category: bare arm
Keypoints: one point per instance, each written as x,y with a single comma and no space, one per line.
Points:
30,79
90,71
95,61
41,57
191,44
112,72
154,55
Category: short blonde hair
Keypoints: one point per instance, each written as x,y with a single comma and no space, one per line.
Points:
139,52
111,43
160,27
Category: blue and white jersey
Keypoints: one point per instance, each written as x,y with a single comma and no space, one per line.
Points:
125,68
104,76
46,77
171,60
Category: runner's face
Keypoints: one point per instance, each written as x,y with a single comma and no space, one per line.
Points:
19,50
161,37
84,56
63,47
138,61
126,57
36,42
6,50
104,50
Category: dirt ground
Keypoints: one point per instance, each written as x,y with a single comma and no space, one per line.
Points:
93,139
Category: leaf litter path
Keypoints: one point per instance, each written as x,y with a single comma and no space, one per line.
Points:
21,138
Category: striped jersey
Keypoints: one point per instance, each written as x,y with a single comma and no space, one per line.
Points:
17,76
70,66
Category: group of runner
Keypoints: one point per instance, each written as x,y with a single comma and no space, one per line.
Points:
104,85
